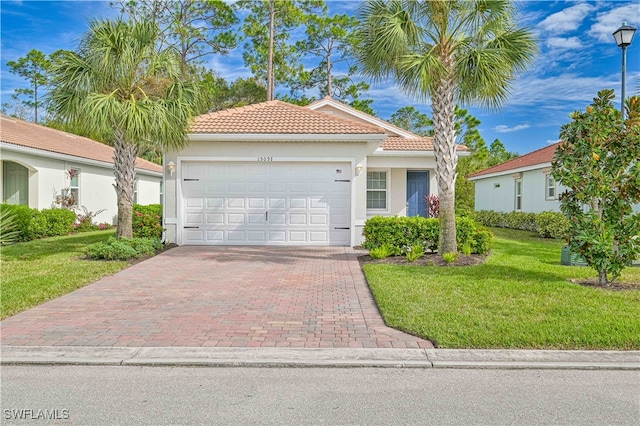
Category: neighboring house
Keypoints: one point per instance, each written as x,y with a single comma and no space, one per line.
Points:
276,173
41,166
522,184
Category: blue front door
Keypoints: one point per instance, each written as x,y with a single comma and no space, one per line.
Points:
417,189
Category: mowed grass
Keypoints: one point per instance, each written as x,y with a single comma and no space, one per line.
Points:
520,298
36,271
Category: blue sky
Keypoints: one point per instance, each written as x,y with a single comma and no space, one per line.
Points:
577,58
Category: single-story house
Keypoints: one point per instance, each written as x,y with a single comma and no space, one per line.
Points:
522,184
276,173
42,167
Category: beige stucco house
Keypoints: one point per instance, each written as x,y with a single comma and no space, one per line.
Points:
276,173
39,165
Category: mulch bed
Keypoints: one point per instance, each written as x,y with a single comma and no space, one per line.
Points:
616,286
429,259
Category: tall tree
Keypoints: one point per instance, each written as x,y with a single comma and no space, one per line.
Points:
409,118
598,161
195,28
448,51
35,67
122,87
269,52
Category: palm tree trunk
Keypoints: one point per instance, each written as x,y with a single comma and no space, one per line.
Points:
124,156
443,105
272,34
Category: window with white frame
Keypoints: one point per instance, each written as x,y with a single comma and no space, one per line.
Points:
518,195
161,190
74,186
377,190
549,187
135,192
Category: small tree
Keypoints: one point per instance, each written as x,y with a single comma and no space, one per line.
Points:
598,161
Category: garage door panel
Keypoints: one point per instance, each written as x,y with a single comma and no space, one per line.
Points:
277,203
215,203
298,203
196,203
267,203
298,219
235,203
215,219
318,219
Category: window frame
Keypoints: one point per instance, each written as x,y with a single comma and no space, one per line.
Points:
386,190
517,197
547,187
75,189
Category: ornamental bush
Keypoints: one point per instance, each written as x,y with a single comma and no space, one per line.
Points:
123,249
147,221
59,221
552,225
30,224
401,233
598,161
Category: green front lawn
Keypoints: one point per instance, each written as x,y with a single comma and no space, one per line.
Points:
37,271
520,298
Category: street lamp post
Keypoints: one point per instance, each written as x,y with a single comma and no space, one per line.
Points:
624,36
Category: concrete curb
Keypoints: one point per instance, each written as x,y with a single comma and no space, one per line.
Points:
292,357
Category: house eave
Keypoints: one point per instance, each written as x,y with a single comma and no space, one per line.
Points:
283,137
6,146
538,166
400,153
361,115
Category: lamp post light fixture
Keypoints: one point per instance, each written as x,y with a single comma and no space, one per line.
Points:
624,36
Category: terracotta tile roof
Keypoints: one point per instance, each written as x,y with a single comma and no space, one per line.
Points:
277,117
540,156
30,135
397,143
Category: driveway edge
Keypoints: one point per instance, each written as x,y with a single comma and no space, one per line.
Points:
330,357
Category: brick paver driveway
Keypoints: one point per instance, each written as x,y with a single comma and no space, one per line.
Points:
218,296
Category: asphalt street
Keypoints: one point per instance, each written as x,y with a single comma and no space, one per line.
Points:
97,395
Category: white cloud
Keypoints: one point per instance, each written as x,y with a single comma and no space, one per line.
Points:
552,141
564,43
607,22
501,128
566,20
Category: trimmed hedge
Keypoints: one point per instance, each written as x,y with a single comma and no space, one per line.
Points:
124,249
147,221
33,223
546,224
399,233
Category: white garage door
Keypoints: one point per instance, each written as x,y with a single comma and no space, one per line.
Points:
266,203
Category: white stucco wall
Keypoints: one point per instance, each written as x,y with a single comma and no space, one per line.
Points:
47,178
148,189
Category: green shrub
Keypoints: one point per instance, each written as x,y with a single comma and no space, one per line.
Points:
123,249
38,225
552,225
414,253
490,218
381,252
450,257
521,220
482,241
59,221
545,224
147,221
403,232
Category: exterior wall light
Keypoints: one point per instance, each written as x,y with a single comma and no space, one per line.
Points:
172,167
358,170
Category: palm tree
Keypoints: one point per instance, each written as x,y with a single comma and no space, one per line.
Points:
448,51
120,86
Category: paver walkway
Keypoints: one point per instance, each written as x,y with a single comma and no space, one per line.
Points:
219,296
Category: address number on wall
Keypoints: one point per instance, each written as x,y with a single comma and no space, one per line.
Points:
265,158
